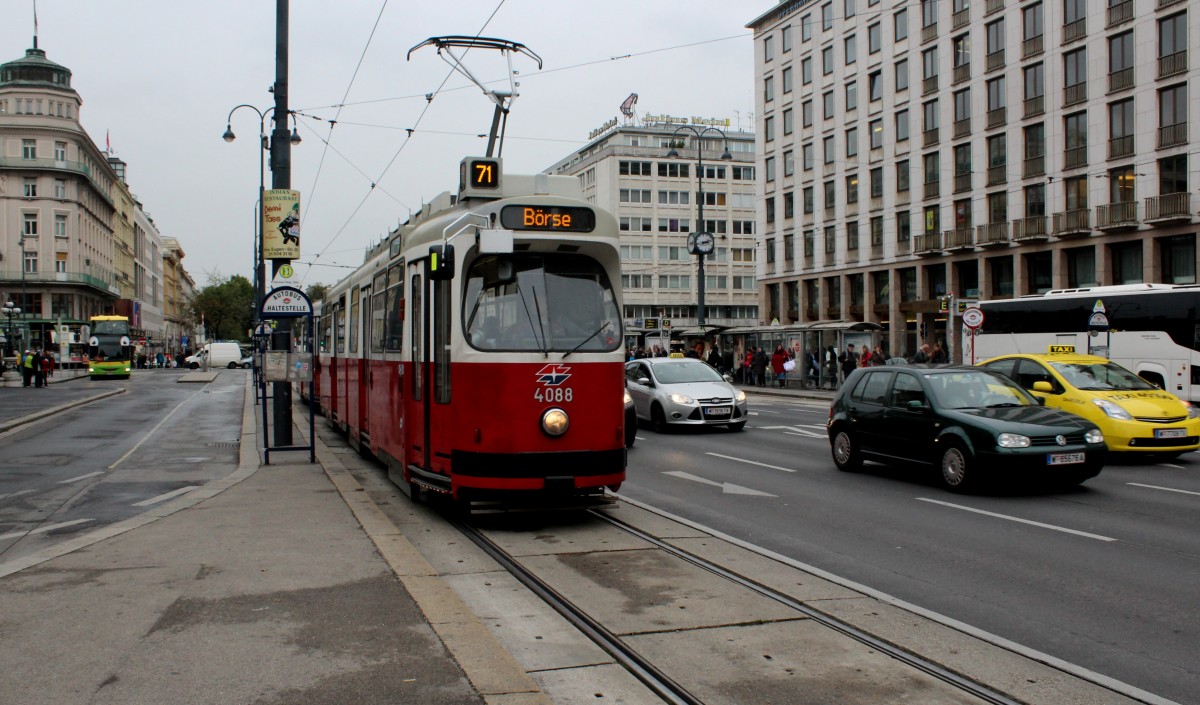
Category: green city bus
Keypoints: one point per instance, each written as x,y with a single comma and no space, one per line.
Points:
109,347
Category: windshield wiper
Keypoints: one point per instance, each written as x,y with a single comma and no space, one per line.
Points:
586,340
542,344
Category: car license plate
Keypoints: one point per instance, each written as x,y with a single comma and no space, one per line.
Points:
1064,458
1170,433
717,411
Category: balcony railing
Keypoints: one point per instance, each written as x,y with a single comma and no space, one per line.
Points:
1035,106
962,73
959,239
997,175
1172,64
1031,228
1075,157
1033,46
1117,216
1119,14
992,234
1120,147
993,6
1169,207
931,137
1073,31
1172,135
962,182
1074,222
929,85
14,276
1074,94
933,189
997,118
929,243
929,33
1033,166
960,19
1120,80
995,60
1167,3
962,128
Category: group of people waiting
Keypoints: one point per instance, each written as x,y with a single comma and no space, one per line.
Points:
37,367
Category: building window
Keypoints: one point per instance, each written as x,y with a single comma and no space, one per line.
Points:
961,47
769,129
29,149
1035,141
1075,67
770,205
1031,20
768,48
876,129
830,240
929,12
903,226
788,122
875,85
1075,190
806,70
852,95
769,168
1035,201
785,37
60,188
1172,104
851,49
827,105
877,231
902,75
634,168
787,79
852,142
1126,260
1035,81
900,24
1179,259
60,151
829,149
808,199
769,89
1120,52
789,206
902,176
60,262
1120,184
929,63
806,28
996,94
1081,266
789,163
874,38
827,16
1074,10
806,113
995,37
877,182
830,195
31,262
1075,127
1172,35
997,207
930,110
902,125
30,222
827,61
852,188
60,225
807,151
30,188
1172,174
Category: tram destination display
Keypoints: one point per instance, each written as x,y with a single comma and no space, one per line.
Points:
550,218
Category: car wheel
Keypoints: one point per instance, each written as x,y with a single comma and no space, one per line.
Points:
736,426
658,419
955,466
246,365
232,366
845,451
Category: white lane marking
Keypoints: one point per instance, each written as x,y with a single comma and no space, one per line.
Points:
764,411
1168,465
16,494
43,529
165,497
156,427
795,430
803,433
1016,519
726,488
1164,489
749,462
1041,656
81,477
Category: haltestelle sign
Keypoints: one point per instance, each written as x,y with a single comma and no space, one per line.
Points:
285,302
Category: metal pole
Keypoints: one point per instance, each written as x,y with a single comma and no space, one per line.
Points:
700,228
281,178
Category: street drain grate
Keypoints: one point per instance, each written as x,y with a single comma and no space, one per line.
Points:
225,444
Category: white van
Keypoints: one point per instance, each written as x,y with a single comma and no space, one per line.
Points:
216,355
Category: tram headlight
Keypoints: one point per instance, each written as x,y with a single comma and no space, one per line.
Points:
555,422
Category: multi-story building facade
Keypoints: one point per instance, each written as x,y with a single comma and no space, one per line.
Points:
56,203
982,148
627,170
178,288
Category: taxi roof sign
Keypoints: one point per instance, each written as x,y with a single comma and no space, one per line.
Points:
1062,350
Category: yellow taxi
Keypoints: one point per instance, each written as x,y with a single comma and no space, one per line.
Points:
1134,415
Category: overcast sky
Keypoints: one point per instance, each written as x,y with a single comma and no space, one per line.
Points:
159,77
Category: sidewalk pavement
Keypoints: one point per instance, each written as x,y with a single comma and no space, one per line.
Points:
276,584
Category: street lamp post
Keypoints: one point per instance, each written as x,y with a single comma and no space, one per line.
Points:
260,280
700,241
9,329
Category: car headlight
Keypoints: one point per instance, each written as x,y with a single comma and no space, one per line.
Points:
682,399
1012,440
1094,436
1114,411
555,422
628,398
741,395
1193,412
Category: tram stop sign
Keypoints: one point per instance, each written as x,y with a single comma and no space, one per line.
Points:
972,317
286,302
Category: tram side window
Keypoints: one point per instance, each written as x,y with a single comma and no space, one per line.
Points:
394,324
377,312
355,309
341,330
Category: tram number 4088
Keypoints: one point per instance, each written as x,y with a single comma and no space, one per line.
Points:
554,394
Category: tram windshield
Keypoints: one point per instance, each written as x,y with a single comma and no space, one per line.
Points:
539,303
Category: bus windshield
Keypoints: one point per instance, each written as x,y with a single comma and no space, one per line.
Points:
540,302
1100,376
120,327
109,350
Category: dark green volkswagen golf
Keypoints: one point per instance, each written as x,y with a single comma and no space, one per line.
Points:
968,423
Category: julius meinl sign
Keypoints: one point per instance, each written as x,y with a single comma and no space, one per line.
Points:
281,224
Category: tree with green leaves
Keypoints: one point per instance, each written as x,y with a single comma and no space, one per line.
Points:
227,307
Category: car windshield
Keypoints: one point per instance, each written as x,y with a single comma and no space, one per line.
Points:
970,389
1100,376
684,371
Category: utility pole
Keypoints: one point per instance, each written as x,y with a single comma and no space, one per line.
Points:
281,178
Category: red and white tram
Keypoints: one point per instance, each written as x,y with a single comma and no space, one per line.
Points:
478,350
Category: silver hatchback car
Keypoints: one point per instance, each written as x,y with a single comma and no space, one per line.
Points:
685,391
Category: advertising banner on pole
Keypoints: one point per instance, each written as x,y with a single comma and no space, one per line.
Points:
281,224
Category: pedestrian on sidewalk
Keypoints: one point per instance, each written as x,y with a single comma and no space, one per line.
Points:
39,375
47,368
27,367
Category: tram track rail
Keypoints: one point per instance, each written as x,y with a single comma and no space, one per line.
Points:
654,678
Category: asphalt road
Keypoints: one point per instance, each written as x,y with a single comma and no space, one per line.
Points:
105,461
1105,576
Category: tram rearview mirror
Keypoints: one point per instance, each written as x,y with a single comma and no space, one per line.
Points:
439,266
